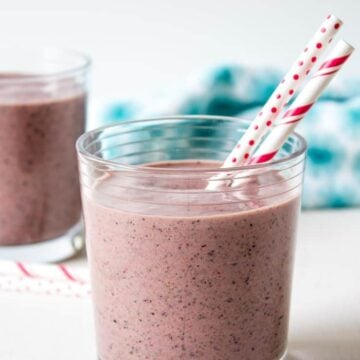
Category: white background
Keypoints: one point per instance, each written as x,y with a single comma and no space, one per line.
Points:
143,46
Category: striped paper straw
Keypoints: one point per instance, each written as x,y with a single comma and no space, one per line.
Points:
303,103
264,121
282,94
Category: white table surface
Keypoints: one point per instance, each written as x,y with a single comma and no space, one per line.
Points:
325,315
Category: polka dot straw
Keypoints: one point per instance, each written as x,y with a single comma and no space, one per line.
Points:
264,121
303,103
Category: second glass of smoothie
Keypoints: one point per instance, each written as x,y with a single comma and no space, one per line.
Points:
42,113
179,271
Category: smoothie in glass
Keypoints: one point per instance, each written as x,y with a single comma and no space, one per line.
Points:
179,272
39,190
42,113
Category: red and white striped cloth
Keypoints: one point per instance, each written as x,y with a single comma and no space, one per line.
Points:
57,279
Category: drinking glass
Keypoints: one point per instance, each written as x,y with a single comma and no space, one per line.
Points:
180,271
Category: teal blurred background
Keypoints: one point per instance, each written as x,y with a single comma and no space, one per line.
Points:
332,128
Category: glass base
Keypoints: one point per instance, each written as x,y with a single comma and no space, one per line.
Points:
60,248
283,357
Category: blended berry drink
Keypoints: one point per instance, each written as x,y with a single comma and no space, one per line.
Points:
39,191
41,116
179,272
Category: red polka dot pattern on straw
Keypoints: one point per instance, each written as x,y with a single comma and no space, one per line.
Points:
303,103
286,89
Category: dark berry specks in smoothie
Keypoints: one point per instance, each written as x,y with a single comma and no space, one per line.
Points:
212,287
39,187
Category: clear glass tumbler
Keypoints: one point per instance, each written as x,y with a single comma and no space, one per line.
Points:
42,113
180,271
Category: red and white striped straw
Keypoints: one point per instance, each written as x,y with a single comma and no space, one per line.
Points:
282,94
303,103
264,121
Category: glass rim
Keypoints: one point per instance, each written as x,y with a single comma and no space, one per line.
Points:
57,52
143,168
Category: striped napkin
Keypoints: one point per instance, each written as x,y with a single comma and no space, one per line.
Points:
57,279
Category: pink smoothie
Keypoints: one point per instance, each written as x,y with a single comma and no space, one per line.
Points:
39,189
212,286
